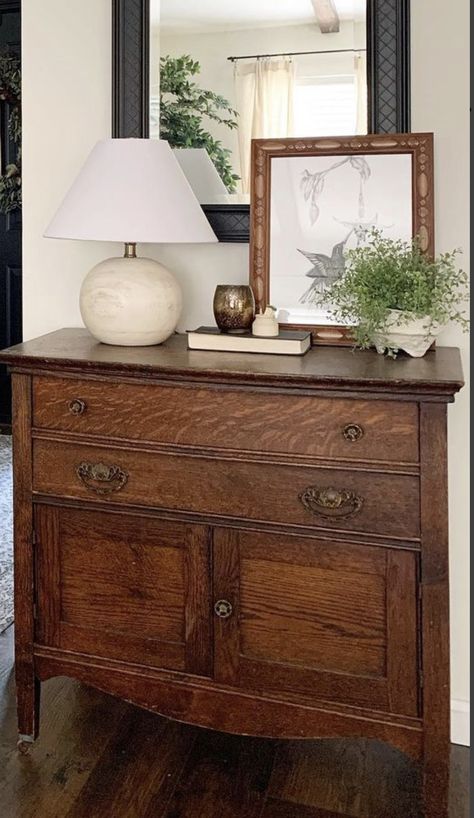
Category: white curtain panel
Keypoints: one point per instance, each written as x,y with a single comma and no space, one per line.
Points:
265,100
360,67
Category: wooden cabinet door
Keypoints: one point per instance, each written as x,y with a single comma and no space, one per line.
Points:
124,587
332,622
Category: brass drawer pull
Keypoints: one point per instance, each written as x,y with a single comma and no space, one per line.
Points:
223,609
331,503
77,407
352,432
100,478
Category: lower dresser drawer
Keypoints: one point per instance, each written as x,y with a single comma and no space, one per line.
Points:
360,501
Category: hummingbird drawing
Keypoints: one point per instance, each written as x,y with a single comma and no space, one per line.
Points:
325,270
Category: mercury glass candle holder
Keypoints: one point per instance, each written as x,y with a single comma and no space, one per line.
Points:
234,307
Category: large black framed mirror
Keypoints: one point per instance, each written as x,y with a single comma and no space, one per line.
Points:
256,68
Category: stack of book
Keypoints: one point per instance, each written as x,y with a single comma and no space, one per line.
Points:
285,343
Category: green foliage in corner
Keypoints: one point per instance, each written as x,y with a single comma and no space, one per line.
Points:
10,94
184,108
389,275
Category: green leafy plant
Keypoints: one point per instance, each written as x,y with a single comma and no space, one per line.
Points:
10,93
387,275
184,108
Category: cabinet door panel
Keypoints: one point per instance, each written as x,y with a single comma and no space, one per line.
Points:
124,587
334,630
332,621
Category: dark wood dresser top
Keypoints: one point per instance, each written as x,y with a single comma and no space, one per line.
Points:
438,375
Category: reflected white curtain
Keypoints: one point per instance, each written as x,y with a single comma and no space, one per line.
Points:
265,100
360,68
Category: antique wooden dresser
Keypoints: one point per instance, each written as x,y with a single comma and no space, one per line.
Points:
255,544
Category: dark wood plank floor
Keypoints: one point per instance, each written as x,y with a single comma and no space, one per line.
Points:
98,757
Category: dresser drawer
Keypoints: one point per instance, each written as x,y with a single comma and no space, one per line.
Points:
221,418
379,503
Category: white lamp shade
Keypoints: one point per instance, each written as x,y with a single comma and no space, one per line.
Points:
201,173
131,190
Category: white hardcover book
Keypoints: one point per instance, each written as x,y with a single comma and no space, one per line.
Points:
286,343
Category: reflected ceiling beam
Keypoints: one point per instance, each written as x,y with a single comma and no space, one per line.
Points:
327,16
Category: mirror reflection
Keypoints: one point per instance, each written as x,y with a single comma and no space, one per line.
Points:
225,73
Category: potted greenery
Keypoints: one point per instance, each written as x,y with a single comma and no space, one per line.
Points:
185,107
396,296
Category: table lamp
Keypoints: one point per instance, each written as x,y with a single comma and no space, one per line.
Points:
131,190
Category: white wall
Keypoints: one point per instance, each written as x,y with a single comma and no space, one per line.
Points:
66,108
440,103
212,48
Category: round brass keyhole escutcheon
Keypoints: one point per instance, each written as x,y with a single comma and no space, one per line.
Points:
223,608
77,407
353,432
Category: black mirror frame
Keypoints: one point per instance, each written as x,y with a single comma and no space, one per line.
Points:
388,70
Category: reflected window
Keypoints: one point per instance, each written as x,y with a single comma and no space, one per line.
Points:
325,106
223,74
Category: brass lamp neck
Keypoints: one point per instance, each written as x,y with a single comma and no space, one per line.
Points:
130,249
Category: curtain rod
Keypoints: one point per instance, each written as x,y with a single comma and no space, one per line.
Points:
296,54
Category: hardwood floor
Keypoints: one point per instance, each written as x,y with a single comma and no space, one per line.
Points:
98,757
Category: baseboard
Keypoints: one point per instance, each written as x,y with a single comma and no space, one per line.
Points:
460,722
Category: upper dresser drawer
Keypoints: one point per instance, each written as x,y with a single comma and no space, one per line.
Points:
370,430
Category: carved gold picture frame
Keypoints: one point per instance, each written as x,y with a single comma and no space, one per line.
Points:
265,151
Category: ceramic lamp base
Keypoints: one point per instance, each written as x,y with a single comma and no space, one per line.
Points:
130,302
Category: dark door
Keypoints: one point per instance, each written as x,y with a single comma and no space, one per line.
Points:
10,224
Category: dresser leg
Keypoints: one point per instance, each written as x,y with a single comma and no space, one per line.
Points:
28,705
27,685
435,609
436,782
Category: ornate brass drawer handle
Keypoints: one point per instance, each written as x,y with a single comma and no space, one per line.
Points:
352,432
77,406
100,478
331,503
223,609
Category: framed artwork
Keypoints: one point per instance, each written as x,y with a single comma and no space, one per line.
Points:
314,199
